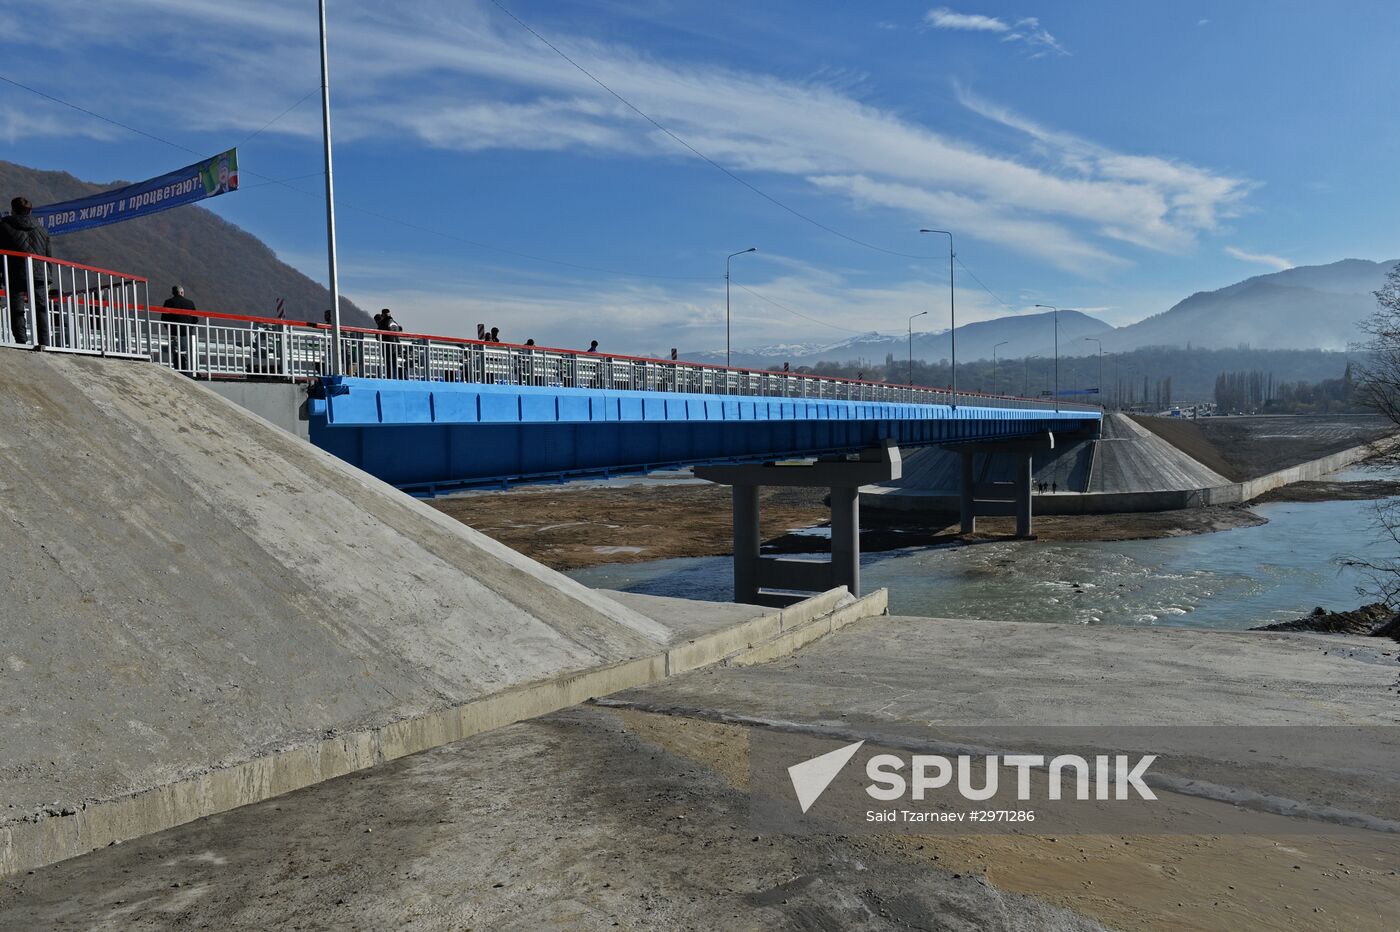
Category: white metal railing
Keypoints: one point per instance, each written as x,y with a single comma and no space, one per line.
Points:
88,310
70,307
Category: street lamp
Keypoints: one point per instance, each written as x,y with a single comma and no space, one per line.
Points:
1100,343
1057,352
952,312
726,297
994,364
911,344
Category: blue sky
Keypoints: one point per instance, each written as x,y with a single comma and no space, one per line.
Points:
1106,156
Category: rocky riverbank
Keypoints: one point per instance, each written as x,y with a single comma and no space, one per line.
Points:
1374,620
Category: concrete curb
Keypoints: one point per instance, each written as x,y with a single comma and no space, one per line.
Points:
798,636
32,844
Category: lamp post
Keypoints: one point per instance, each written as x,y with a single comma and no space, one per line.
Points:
1100,343
726,297
952,312
337,361
994,364
911,344
1057,352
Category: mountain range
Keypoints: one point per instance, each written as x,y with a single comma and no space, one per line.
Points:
222,267
1008,337
1307,307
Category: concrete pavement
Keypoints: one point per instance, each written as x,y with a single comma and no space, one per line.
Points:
573,821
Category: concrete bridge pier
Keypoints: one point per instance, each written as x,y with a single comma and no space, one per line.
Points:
988,499
843,476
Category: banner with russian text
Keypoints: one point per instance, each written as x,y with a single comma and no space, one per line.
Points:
209,178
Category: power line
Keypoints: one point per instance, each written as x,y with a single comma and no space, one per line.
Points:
283,182
696,152
363,210
278,117
795,313
984,287
511,252
59,100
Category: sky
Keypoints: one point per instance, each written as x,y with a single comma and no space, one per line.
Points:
1103,156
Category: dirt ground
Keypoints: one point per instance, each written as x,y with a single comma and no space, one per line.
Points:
1247,447
1364,490
1210,883
570,527
573,527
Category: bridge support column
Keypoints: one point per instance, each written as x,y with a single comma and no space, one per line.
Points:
1025,469
967,503
747,539
987,499
755,575
845,537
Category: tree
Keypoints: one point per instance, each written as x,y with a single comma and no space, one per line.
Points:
1377,378
1377,383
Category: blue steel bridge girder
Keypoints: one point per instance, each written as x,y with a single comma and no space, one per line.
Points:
429,437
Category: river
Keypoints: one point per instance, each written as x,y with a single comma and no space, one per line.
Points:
1229,579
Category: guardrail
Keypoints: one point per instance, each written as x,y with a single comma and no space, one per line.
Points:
70,307
205,344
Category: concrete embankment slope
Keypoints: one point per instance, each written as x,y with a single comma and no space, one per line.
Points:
1126,463
200,610
1136,465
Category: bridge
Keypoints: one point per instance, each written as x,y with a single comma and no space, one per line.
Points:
432,414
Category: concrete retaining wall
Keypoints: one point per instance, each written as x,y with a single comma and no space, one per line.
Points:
281,403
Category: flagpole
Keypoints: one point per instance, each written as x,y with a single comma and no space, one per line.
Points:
336,367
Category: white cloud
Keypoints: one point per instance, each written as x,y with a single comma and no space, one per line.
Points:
1036,37
1278,263
457,76
1027,30
944,18
649,318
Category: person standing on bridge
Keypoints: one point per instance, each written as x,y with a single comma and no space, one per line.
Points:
182,330
385,322
20,232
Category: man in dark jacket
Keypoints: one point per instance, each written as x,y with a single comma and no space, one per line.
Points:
385,323
19,232
180,336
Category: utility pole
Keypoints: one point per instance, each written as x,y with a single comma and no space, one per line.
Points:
337,360
995,369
